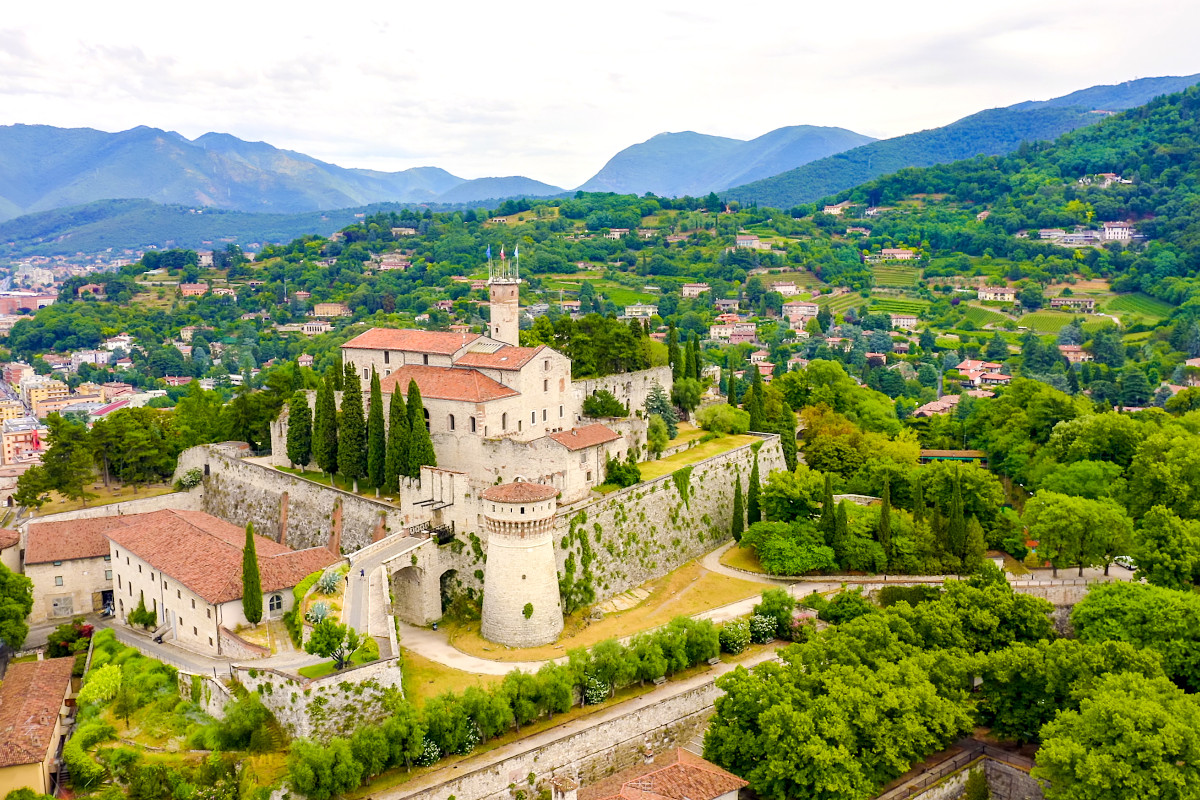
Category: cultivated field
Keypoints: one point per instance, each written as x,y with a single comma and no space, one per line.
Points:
1139,304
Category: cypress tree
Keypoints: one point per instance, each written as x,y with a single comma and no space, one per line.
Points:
739,513
957,532
1072,380
975,546
251,580
753,511
918,509
753,401
299,438
376,436
841,534
673,356
394,464
731,393
325,427
885,520
338,373
786,428
697,366
420,446
352,429
828,522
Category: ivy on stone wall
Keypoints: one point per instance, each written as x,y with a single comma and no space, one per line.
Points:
682,478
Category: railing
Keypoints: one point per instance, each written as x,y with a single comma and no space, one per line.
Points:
973,750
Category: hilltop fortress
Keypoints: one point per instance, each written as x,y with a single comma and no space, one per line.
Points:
517,466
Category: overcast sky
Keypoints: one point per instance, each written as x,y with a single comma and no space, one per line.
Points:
552,90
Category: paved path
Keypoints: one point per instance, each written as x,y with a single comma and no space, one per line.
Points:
492,759
435,646
357,606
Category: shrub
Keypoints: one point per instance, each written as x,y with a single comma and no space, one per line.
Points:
369,650
762,628
101,685
595,691
621,473
845,606
84,771
603,404
190,479
779,606
913,595
317,613
430,754
722,418
734,636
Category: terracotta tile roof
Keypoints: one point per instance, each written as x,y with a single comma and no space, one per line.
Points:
67,541
447,383
507,357
677,775
520,492
8,538
587,436
30,697
412,341
205,553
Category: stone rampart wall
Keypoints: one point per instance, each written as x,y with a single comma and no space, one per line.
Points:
1010,783
211,695
184,501
630,388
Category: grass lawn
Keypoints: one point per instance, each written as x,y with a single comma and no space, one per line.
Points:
116,493
688,590
424,678
326,667
337,482
745,558
665,466
686,432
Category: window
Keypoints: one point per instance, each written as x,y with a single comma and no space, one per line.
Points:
543,415
193,603
118,554
276,603
504,421
210,641
426,412
58,580
546,385
195,632
108,574
209,612
387,357
366,374
127,562
387,372
450,422
533,418
58,563
522,509
589,477
119,586
139,569
561,412
425,358
473,425
108,559
546,365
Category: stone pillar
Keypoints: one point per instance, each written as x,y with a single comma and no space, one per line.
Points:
505,310
521,605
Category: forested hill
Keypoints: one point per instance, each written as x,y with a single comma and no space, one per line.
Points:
1154,147
993,132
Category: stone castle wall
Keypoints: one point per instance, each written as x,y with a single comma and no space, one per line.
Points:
630,388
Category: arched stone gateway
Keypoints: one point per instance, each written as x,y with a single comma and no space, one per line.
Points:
409,592
521,605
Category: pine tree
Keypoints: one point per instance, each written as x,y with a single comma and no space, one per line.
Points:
673,356
753,511
420,446
1072,380
376,436
251,580
885,520
828,522
325,427
659,402
395,464
299,438
352,430
841,534
739,512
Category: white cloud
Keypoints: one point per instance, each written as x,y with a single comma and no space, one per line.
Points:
552,90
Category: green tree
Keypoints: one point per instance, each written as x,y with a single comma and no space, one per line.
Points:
1168,550
1133,737
789,496
325,426
68,461
323,772
251,579
405,734
997,348
686,394
396,463
352,430
376,438
299,438
841,534
673,357
658,402
420,446
16,601
1076,530
332,640
884,530
369,746
827,525
657,436
753,509
739,513
731,381
975,547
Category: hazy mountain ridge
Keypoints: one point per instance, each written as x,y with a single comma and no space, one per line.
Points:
992,132
690,163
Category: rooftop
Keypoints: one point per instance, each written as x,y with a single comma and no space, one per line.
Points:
412,341
8,538
507,357
520,492
30,698
205,553
70,540
447,383
587,436
677,775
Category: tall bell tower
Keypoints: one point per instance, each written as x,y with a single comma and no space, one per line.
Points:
504,284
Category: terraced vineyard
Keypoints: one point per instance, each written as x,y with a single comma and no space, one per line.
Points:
982,316
897,275
1139,304
1045,321
838,304
890,306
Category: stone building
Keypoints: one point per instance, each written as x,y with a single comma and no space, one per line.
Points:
522,611
70,567
33,704
187,567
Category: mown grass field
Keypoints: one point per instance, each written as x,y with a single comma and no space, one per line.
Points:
1139,304
570,284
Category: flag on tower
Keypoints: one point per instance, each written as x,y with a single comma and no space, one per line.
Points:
517,252
501,252
489,254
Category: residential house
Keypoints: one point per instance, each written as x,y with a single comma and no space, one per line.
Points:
15,372
785,288
857,231
389,263
798,313
11,409
616,233
838,209
304,360
970,365
760,357
404,230
330,310
748,241
997,294
444,305
1074,354
743,332
1084,305
120,342
904,321
193,289
70,567
35,700
1118,231
898,254
224,291
314,328
724,304
690,290
640,311
570,306
721,330
93,357
186,566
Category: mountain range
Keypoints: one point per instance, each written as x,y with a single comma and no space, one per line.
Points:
997,131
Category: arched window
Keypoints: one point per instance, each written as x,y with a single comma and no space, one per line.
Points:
450,422
276,603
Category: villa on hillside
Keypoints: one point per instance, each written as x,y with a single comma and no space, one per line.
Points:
999,294
1084,305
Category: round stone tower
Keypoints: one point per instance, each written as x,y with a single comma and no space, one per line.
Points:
521,606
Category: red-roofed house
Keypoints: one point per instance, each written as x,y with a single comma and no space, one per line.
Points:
187,566
68,563
675,775
33,703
